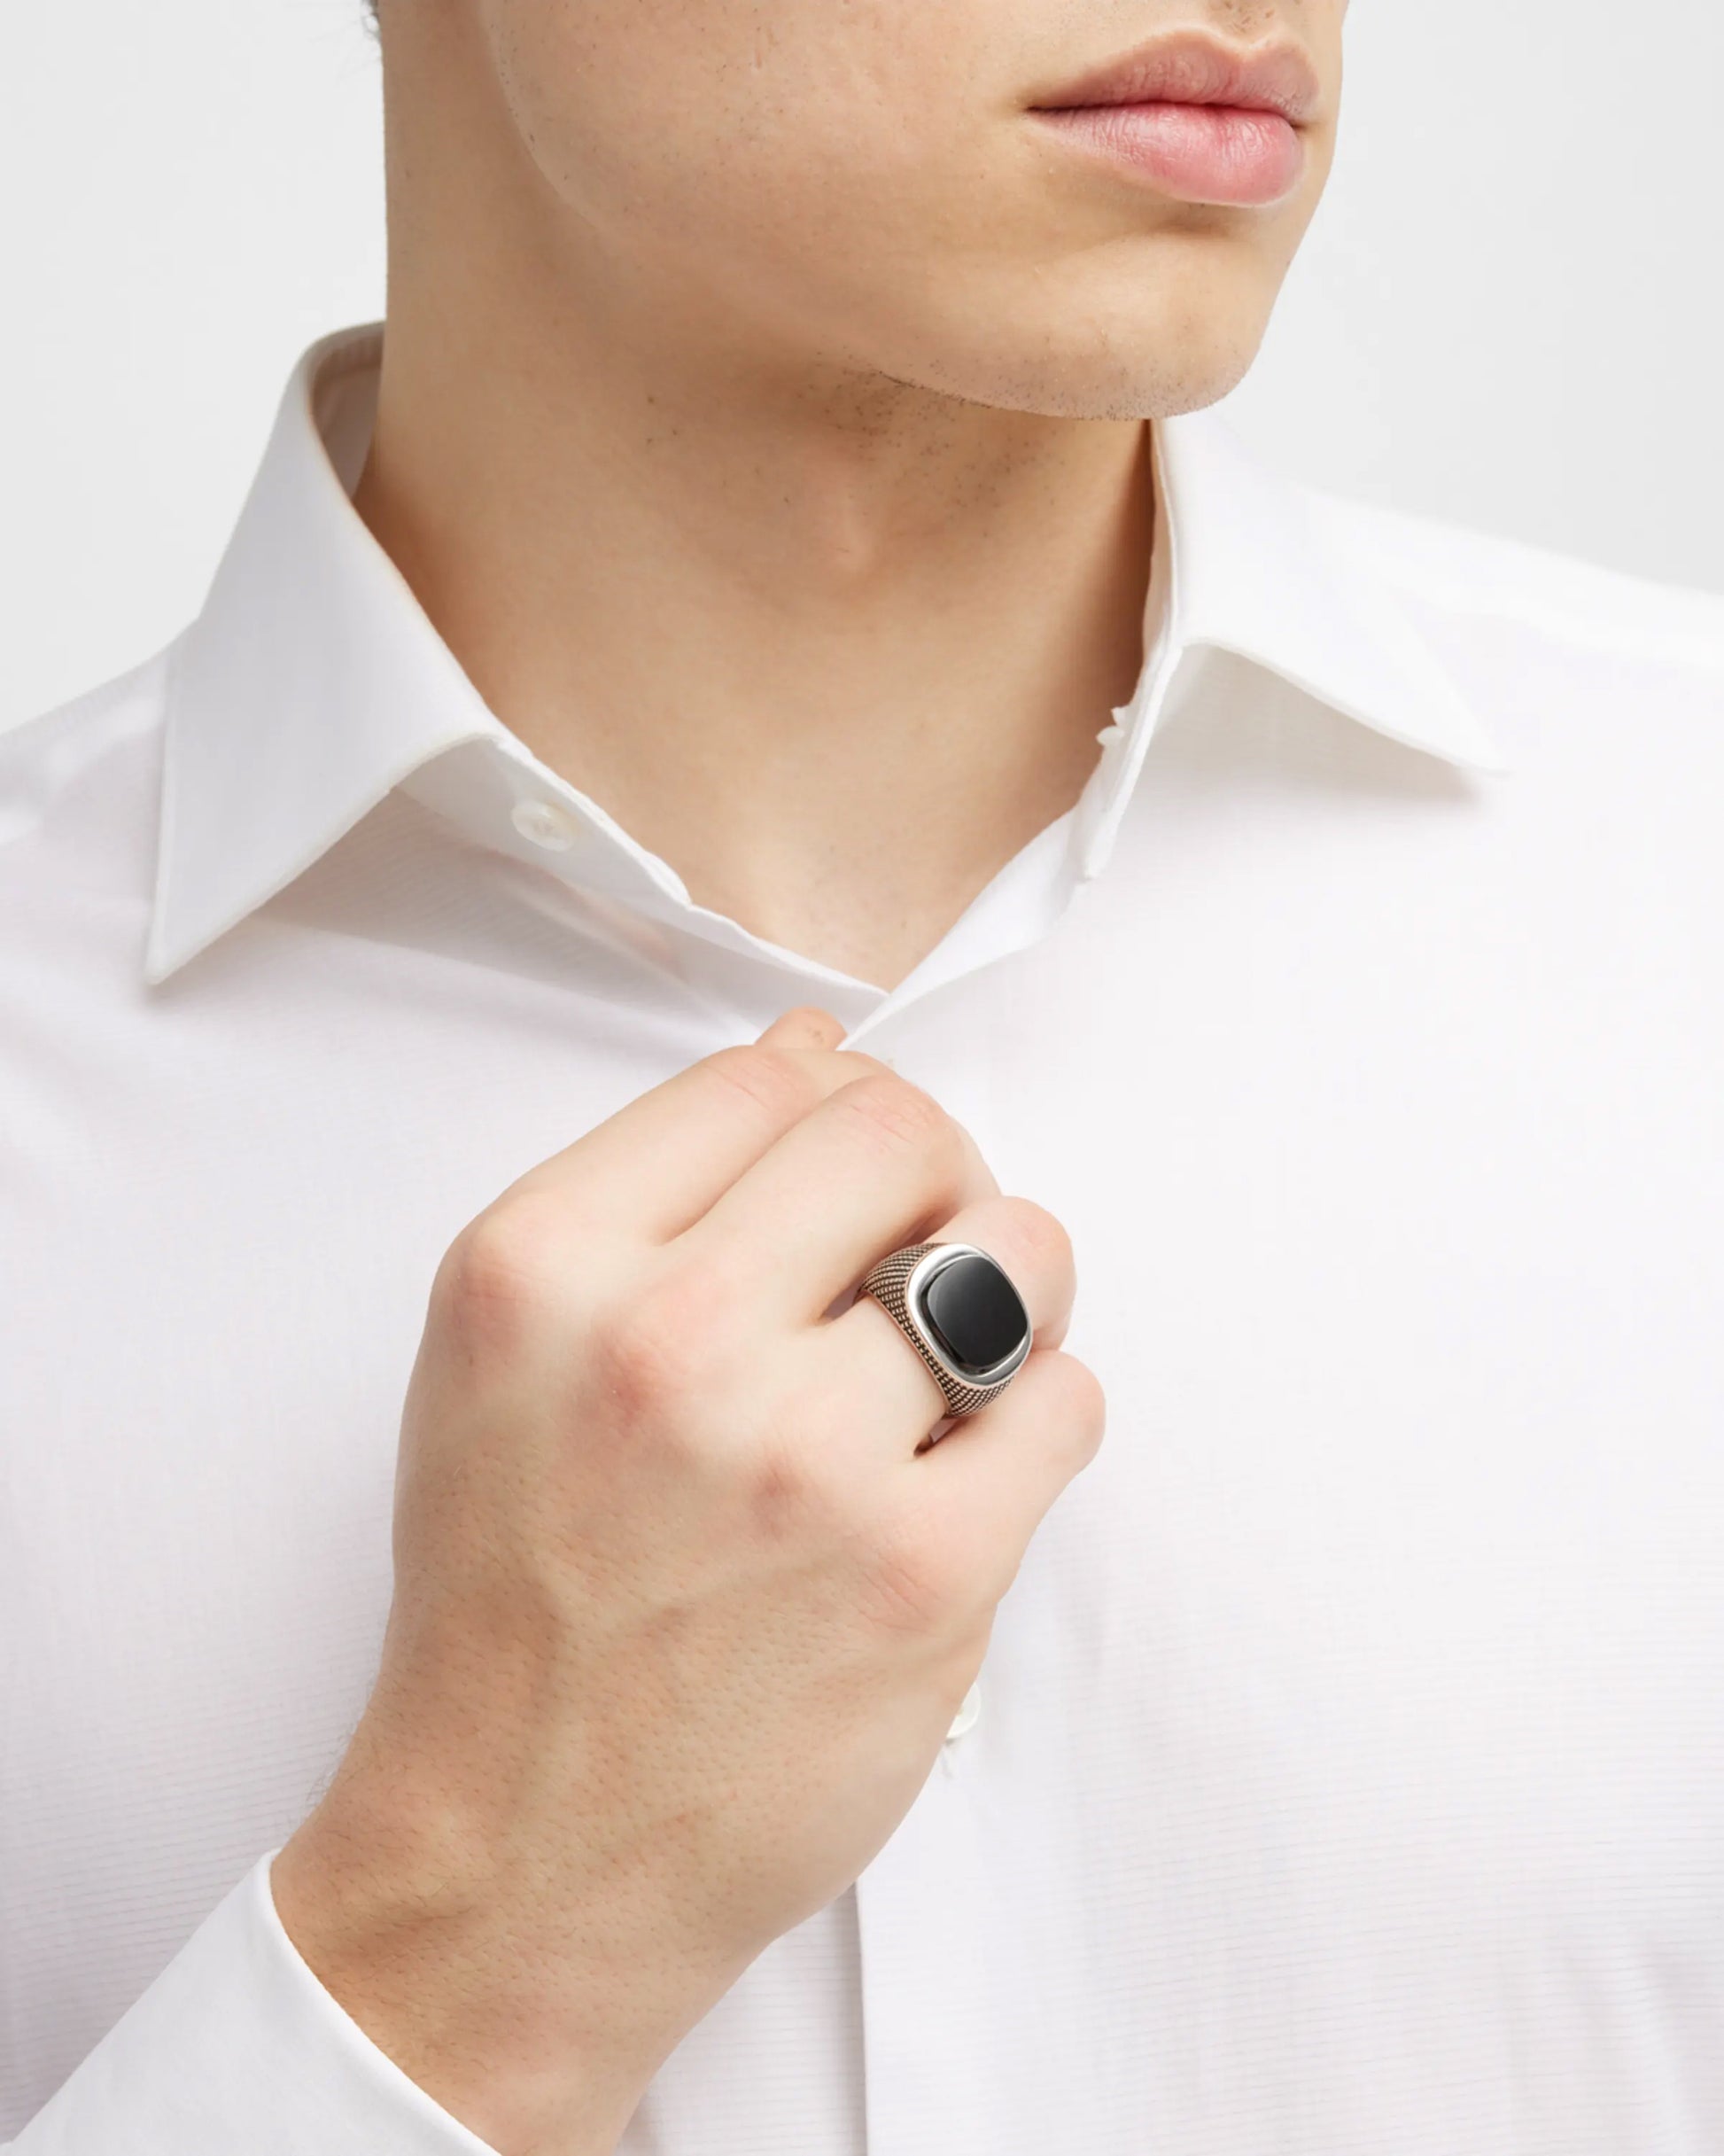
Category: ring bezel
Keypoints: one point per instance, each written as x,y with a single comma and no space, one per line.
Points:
928,1268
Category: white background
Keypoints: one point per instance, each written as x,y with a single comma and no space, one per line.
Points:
1509,312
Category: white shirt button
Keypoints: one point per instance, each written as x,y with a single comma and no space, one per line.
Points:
546,824
967,1714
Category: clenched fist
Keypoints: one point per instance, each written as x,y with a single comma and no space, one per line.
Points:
684,1603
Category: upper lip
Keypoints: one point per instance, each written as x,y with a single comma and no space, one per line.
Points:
1192,67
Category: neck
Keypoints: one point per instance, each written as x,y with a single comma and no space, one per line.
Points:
835,647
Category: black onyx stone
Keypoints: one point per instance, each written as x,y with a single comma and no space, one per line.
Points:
974,1313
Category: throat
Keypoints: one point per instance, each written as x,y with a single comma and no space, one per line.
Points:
837,707
867,870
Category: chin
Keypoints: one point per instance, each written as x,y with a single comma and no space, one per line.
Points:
1130,366
1129,332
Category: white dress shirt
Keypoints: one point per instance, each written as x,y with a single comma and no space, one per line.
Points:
1346,1776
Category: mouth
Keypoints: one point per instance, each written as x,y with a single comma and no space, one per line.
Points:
1199,120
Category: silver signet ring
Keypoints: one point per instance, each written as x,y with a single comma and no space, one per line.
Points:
958,1309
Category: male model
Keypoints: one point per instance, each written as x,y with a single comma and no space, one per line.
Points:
759,790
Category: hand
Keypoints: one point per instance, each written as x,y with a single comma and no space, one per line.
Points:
682,1614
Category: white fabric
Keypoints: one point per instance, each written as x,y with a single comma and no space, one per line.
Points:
1348,1772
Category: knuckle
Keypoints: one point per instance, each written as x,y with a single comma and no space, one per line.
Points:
798,1479
659,1351
892,1114
766,1081
641,1366
786,1495
495,1277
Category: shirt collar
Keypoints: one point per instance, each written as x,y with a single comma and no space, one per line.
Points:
312,682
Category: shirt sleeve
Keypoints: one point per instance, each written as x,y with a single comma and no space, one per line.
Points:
238,2049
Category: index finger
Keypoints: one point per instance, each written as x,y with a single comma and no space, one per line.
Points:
656,1166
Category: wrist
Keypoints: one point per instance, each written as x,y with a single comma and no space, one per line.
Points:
523,2036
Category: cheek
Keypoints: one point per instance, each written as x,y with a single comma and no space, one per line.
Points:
779,121
603,93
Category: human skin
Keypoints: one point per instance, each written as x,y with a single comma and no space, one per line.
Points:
761,414
761,423
683,1604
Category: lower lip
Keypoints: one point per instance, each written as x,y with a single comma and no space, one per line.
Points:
1225,153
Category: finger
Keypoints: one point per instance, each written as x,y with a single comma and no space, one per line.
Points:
990,1482
877,1163
655,1166
804,1027
864,1357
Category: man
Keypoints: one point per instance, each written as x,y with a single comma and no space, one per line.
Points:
774,578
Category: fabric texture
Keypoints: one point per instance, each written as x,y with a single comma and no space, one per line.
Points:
1346,1774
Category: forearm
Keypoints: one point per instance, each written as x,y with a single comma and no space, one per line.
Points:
536,2039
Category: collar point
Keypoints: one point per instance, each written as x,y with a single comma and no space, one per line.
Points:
165,953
